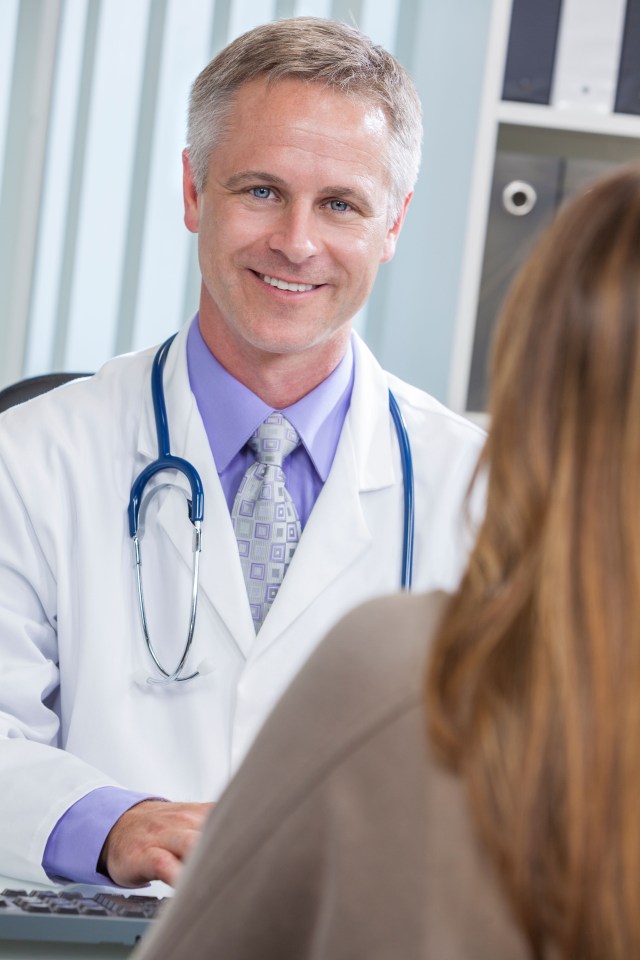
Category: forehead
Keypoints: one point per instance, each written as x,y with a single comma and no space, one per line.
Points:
305,123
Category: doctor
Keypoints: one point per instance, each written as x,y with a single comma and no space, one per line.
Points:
304,143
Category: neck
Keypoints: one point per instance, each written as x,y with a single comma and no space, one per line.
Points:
282,379
279,379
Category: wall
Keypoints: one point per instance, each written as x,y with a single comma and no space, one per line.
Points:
411,322
94,258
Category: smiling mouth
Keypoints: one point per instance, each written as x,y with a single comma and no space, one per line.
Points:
286,285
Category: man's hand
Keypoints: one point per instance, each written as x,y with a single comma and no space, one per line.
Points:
151,840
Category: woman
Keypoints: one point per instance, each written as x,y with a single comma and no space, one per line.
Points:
492,811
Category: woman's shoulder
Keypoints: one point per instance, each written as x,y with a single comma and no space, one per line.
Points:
372,663
396,620
385,635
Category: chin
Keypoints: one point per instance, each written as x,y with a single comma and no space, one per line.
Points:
279,346
292,340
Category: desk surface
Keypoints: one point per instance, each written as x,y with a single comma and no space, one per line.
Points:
38,950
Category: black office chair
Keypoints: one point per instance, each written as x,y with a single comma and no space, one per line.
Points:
30,387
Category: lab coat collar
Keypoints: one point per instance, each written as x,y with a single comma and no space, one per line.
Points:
372,429
372,433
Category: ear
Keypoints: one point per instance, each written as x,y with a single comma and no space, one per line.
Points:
190,195
391,239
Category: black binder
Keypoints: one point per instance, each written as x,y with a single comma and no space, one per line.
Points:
508,240
531,53
510,237
580,172
628,91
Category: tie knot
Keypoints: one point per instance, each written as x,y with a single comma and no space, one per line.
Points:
274,440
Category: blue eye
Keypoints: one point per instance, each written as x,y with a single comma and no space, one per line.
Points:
261,193
340,206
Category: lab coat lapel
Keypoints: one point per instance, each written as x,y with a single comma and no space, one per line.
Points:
221,580
337,533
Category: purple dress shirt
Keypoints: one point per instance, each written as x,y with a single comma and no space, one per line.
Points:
230,413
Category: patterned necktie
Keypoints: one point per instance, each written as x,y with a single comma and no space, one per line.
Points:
265,520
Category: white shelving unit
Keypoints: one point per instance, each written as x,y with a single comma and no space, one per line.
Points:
588,129
555,118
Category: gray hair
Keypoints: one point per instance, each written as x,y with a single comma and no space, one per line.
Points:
319,51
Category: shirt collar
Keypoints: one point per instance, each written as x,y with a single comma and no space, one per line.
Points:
318,417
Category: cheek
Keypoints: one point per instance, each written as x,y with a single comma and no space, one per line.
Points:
364,254
221,231
207,240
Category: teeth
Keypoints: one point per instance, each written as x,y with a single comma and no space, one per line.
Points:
283,285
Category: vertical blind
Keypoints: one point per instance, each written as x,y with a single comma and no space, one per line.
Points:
94,257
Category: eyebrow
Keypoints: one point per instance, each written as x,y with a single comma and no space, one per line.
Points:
248,177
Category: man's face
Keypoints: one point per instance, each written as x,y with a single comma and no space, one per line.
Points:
293,220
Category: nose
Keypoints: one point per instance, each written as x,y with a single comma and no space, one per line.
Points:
295,234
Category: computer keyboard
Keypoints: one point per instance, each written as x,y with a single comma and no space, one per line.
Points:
77,914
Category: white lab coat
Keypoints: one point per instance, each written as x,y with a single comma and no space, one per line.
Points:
75,712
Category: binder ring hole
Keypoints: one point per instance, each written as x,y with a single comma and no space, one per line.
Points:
519,198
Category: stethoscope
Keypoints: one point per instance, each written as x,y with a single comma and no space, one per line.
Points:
166,461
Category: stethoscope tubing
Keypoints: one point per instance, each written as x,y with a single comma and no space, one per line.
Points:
165,459
408,526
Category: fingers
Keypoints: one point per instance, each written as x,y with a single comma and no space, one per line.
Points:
151,841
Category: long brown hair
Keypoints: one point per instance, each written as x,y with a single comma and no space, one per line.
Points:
534,684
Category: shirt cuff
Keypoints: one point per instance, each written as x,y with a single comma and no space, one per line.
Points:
74,845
